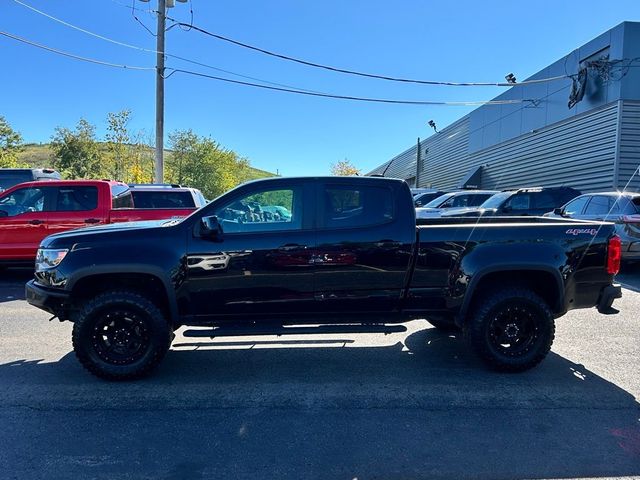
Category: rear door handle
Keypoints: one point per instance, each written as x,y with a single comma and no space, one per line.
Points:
91,220
36,222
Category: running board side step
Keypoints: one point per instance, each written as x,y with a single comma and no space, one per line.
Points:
237,331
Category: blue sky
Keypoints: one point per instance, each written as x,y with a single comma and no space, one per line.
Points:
292,134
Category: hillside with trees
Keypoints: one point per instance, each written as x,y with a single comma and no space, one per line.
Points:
127,155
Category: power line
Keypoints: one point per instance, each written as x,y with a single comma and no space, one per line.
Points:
349,97
149,50
133,7
71,55
361,74
135,17
266,87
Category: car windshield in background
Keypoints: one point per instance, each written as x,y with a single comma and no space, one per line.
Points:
162,199
496,200
9,180
436,202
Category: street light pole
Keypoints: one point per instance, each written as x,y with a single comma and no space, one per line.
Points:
159,154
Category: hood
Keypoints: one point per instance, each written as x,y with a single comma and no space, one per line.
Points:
71,237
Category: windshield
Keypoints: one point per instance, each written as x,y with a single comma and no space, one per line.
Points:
8,180
436,202
497,200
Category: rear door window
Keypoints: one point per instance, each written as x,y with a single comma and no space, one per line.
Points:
76,198
346,206
519,202
545,200
599,205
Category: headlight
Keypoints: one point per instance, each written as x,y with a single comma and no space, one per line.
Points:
48,258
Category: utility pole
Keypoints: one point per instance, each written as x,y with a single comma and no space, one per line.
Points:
418,163
159,156
160,33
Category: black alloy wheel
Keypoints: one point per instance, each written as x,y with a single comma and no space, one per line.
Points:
511,329
121,335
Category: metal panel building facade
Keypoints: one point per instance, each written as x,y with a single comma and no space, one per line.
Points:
593,145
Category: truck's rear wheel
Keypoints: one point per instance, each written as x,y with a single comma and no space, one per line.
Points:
120,335
511,330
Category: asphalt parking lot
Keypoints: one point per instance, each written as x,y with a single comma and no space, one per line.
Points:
406,405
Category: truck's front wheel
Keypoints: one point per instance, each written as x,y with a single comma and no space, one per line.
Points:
511,330
120,335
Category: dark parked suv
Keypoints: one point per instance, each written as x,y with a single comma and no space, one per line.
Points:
13,176
524,201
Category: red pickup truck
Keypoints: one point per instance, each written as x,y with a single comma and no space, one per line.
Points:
31,211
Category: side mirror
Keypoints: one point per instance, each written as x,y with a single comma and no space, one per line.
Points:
210,228
558,211
418,203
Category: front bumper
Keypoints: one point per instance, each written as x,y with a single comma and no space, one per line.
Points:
52,301
607,296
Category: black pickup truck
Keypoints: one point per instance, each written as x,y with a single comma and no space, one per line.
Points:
333,254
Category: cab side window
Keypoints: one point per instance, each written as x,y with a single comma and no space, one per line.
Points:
576,206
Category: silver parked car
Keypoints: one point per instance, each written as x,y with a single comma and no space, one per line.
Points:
448,201
621,208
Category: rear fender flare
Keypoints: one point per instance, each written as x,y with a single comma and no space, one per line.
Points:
525,267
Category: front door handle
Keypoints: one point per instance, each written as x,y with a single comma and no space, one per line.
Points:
290,247
91,220
36,222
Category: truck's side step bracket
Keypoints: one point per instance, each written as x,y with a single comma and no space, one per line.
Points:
232,331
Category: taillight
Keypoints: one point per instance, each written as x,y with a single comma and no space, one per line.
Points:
614,255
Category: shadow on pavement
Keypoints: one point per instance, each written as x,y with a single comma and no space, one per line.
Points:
418,408
629,277
12,282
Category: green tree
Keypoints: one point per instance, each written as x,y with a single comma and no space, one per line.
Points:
10,145
344,168
118,141
76,153
200,162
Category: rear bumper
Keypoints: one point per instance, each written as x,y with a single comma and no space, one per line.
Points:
607,296
52,301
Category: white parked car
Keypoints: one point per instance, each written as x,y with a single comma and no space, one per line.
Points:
448,201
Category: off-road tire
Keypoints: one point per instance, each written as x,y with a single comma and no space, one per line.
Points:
487,320
93,319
